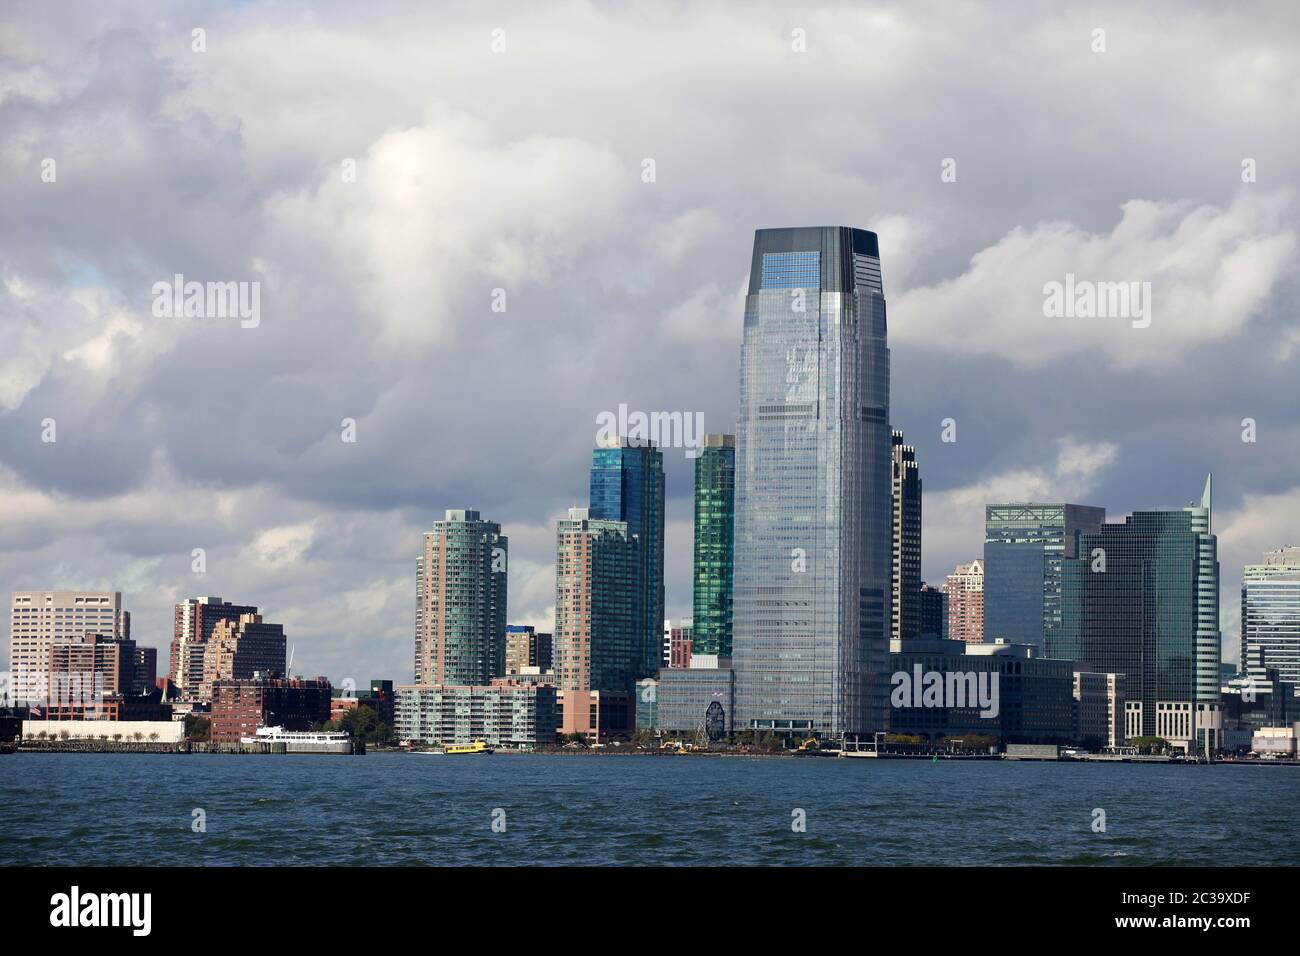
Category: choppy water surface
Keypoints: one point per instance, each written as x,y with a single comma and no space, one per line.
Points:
99,809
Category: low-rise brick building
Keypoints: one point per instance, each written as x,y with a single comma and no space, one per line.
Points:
239,707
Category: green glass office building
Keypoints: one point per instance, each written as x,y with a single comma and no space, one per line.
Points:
1142,599
715,511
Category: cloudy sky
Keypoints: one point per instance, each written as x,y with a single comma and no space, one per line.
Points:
503,147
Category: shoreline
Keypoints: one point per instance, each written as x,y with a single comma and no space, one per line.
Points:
198,748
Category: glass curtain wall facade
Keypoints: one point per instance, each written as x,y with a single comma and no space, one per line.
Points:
715,511
627,484
1270,615
1152,614
813,505
1025,546
460,601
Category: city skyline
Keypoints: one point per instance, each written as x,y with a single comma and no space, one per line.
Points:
236,456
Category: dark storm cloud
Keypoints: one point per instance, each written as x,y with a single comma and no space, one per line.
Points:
523,171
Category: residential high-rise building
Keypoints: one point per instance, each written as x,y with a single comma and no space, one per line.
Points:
460,601
811,603
41,619
193,623
714,573
241,650
1141,599
598,619
627,484
1024,548
906,568
525,647
933,606
1270,615
965,590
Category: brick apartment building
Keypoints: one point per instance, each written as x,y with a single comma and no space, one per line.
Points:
239,707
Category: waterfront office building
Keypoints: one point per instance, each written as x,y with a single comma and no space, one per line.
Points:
460,601
1257,698
627,484
965,590
698,701
1024,548
193,622
647,704
598,715
714,566
1152,615
1033,703
41,619
811,603
906,568
598,619
1270,614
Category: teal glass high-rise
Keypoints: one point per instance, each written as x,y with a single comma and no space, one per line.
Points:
813,544
1142,600
714,566
627,484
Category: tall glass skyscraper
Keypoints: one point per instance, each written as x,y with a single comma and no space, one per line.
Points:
460,606
1270,614
715,511
813,527
1024,547
1142,599
627,484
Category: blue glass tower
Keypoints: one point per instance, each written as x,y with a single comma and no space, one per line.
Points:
1025,547
813,528
627,484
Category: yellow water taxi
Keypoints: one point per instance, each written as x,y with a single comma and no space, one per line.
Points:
477,747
